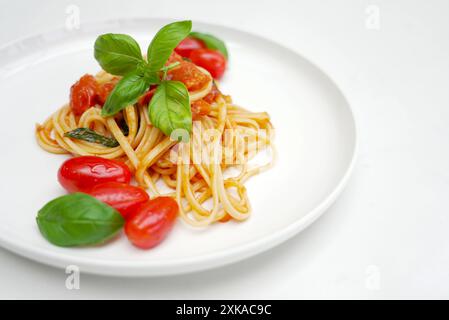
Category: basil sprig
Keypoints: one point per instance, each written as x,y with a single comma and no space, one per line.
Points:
211,42
78,219
120,54
90,135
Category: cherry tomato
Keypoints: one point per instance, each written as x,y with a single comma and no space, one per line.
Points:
186,46
152,222
145,99
190,75
83,173
200,108
83,94
121,196
103,90
211,60
174,57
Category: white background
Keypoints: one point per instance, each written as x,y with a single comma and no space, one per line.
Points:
388,234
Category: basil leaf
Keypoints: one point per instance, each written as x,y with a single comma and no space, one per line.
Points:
165,41
117,54
211,42
169,108
126,92
89,135
78,219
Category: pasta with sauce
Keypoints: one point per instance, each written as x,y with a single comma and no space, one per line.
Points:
191,171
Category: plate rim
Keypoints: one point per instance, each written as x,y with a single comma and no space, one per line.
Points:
204,261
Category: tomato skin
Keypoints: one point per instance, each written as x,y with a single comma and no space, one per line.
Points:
186,46
123,197
152,222
83,94
211,60
83,173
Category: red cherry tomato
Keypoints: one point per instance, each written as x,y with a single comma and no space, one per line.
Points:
83,94
83,173
105,89
121,196
152,222
145,99
186,46
190,75
211,60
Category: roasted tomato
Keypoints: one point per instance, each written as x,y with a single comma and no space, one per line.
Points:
83,94
186,46
190,75
83,173
211,60
103,90
121,196
152,222
200,108
174,57
145,99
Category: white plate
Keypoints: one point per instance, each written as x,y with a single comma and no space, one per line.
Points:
315,136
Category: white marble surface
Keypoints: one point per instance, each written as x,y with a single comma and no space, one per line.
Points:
387,236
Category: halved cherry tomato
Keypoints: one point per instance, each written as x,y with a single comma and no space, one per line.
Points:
152,222
121,196
186,46
200,108
188,74
83,173
83,94
211,60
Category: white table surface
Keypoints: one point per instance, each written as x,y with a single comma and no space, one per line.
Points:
388,234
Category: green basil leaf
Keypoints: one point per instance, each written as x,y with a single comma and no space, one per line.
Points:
78,219
169,108
89,135
165,41
118,54
126,92
211,42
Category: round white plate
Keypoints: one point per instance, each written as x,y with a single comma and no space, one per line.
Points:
315,137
